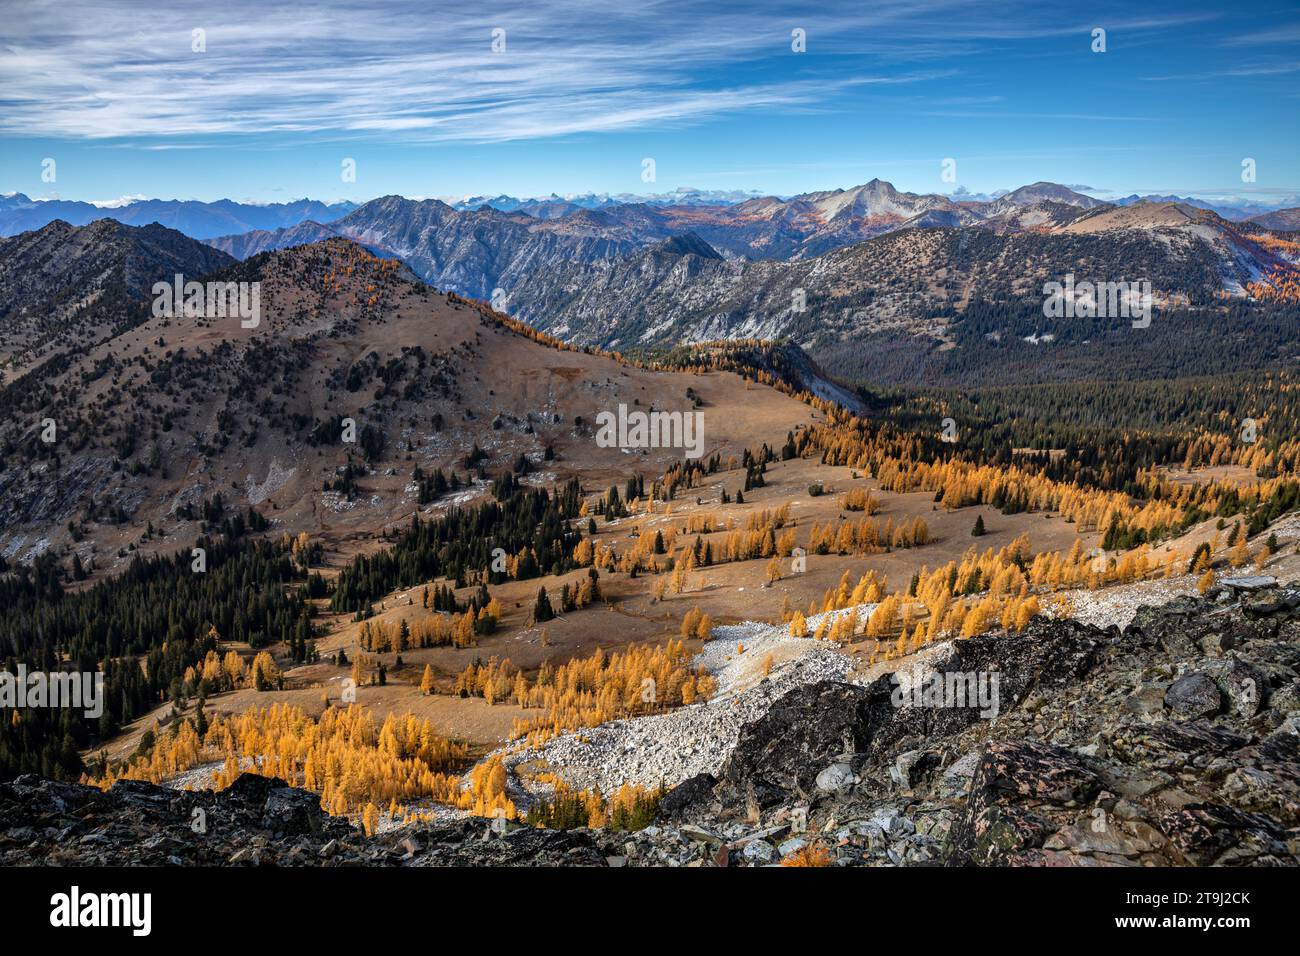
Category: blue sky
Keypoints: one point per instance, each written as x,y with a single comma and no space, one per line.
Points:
584,91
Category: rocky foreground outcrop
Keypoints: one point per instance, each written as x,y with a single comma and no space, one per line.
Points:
256,821
1173,742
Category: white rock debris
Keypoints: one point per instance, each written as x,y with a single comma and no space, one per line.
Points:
1119,604
669,748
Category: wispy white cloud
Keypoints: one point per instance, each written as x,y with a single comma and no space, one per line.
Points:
116,203
411,72
1259,68
91,69
1276,35
1264,69
1082,117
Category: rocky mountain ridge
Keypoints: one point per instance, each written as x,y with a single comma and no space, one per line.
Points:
64,287
820,269
171,411
430,233
912,280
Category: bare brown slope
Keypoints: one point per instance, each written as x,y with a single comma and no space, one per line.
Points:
178,410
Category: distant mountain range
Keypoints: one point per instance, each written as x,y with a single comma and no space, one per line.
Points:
474,251
790,227
198,220
867,261
914,282
552,206
477,251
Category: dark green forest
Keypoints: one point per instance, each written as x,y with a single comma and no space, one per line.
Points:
158,609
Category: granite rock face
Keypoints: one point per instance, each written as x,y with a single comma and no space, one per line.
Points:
1173,742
